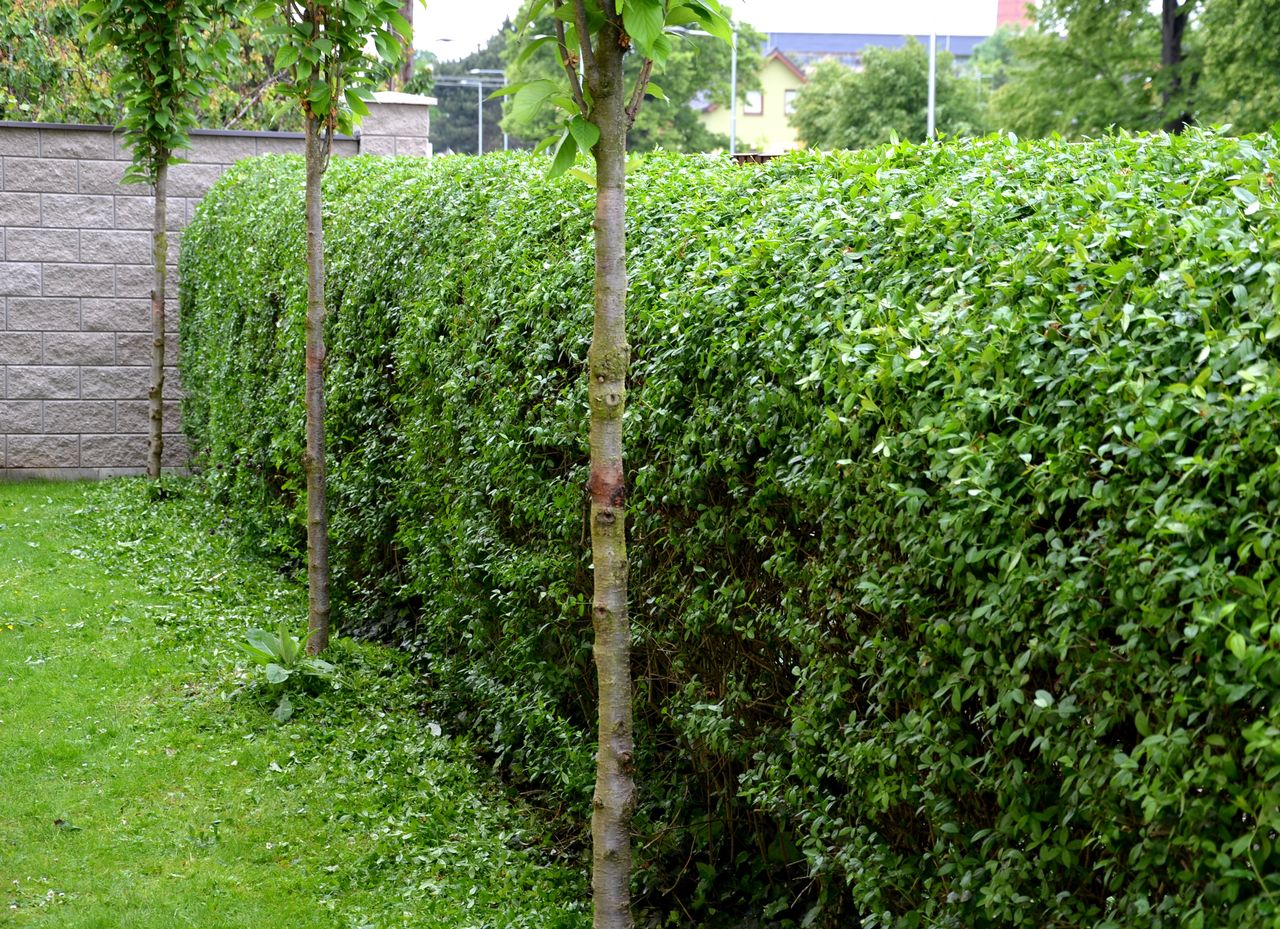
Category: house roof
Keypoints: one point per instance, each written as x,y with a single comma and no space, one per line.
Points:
807,45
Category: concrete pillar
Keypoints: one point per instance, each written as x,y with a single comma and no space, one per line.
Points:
397,124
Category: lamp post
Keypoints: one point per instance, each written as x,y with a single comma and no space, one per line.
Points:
502,74
733,82
930,119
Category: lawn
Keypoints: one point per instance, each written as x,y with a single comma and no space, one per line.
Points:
145,783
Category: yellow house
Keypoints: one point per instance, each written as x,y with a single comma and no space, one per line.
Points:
764,115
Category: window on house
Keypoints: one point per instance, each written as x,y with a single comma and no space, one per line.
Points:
789,101
753,103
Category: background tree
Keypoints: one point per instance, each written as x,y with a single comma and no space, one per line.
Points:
168,50
1093,64
591,42
323,47
1239,80
843,108
697,68
40,49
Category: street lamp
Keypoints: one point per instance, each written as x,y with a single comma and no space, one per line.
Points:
502,74
733,82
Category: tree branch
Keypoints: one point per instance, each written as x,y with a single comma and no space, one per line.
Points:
637,95
584,44
257,96
575,84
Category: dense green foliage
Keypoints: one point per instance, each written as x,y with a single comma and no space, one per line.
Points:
954,501
888,96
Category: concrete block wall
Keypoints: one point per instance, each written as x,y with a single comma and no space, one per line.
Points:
75,284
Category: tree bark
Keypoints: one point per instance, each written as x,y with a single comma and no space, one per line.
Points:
314,459
1173,26
159,263
608,359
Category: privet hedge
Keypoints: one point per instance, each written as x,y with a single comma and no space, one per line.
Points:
954,487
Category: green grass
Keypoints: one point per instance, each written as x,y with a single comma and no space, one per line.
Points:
143,782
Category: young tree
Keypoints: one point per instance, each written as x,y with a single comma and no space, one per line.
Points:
323,45
168,50
591,41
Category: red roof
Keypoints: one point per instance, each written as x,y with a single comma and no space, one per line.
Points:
1012,12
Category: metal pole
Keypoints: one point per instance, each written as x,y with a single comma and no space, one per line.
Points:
733,94
480,117
933,83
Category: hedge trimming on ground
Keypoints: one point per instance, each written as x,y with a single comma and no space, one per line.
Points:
954,496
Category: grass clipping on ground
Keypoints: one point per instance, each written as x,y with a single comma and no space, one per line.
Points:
146,783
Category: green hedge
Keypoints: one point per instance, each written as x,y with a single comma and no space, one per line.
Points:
955,492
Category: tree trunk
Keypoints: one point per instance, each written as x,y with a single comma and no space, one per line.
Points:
608,359
159,263
314,460
1173,26
406,64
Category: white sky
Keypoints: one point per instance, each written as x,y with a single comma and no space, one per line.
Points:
453,28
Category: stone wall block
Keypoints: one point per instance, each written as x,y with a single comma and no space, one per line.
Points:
20,348
135,416
220,149
113,383
105,177
77,211
40,175
282,145
176,452
20,279
19,209
42,244
79,280
43,382
72,417
20,416
384,145
79,348
134,280
76,143
134,348
115,315
114,451
42,451
42,314
396,119
418,146
115,246
172,384
193,180
16,141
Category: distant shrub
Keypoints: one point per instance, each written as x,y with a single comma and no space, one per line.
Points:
955,487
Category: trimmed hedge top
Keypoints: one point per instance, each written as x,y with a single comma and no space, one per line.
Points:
954,497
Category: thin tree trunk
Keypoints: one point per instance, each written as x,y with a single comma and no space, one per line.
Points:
609,357
314,460
1173,26
159,261
406,65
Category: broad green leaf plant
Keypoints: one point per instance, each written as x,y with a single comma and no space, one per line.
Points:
325,46
591,41
169,52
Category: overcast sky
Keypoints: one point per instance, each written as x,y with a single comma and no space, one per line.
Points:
453,28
